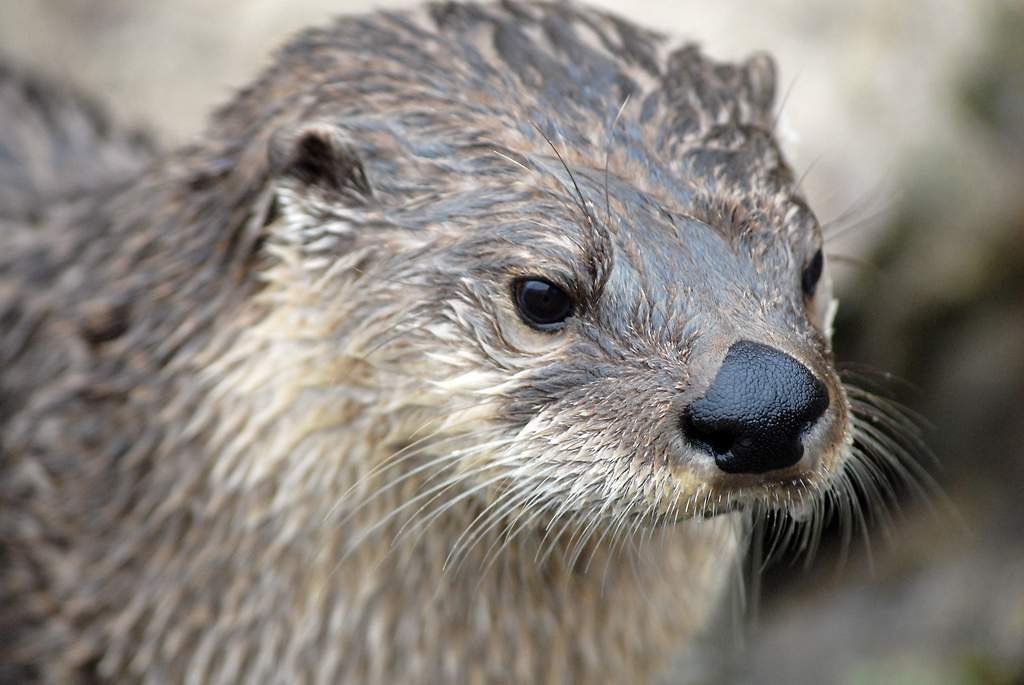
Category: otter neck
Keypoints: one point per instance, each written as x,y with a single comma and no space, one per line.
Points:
292,596
281,557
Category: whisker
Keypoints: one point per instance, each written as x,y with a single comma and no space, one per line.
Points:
807,171
427,519
581,201
511,501
489,518
851,261
784,101
405,476
529,500
429,494
406,453
865,210
607,158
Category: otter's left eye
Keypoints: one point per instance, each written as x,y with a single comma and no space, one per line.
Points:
543,305
812,273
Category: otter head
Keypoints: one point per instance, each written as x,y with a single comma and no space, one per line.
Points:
611,312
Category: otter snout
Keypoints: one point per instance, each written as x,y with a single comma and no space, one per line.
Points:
754,416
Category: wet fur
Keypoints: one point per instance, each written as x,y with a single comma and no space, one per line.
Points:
270,416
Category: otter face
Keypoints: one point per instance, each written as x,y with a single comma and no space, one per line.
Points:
594,347
619,316
761,404
676,362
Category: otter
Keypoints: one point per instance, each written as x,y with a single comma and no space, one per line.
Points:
463,346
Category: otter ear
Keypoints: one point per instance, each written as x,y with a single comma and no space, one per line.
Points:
319,157
759,76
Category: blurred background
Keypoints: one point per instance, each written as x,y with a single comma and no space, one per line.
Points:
908,120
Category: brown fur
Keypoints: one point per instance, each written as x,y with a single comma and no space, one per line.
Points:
270,416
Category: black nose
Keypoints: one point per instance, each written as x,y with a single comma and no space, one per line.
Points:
753,416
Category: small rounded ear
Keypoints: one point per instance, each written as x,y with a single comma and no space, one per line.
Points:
318,155
759,76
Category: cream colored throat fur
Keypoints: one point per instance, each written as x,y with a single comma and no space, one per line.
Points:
303,556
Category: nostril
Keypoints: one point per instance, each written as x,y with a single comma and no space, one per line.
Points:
706,435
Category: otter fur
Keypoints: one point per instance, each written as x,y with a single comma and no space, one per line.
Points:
268,412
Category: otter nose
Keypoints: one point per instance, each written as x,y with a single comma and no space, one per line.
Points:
753,416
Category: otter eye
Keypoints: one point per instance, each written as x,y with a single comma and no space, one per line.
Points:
812,273
543,305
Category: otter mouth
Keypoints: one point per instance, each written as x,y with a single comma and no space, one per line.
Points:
794,496
748,491
796,490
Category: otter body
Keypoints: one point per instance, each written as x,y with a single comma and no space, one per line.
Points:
285,406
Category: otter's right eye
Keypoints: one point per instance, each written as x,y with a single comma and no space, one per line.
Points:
812,273
542,305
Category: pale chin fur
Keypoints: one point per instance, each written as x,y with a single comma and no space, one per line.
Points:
291,385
